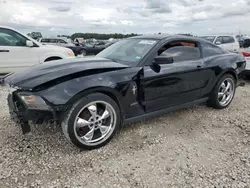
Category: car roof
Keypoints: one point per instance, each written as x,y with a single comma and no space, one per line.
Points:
50,38
161,37
157,37
5,27
216,35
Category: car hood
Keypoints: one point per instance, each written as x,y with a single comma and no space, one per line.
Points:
52,46
53,70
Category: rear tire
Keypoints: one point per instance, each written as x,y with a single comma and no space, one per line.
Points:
223,92
83,52
92,121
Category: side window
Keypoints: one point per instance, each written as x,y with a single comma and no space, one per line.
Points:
53,40
228,39
11,38
232,40
181,51
62,41
210,50
219,39
45,40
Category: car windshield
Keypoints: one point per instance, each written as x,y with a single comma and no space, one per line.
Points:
209,38
128,51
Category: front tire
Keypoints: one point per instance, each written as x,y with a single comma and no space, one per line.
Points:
223,93
92,121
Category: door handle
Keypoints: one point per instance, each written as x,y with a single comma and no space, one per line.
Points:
198,66
4,51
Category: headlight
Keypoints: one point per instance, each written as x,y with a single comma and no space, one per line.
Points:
32,99
70,53
34,102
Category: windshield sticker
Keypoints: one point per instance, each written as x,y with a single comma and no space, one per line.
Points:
150,42
137,57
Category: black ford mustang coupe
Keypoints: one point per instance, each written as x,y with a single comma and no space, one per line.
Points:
133,79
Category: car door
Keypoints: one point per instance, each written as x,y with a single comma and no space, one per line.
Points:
228,43
93,49
180,82
14,54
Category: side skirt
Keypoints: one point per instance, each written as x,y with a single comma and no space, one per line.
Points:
164,111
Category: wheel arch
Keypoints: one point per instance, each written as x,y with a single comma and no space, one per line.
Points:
228,71
52,58
112,93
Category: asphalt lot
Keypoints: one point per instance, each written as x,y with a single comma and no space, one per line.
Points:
195,147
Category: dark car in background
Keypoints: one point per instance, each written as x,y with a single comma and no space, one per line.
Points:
139,77
91,49
60,42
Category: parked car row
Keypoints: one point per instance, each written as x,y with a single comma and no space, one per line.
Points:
78,48
18,51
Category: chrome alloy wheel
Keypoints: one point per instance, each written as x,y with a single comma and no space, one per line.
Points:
95,123
226,92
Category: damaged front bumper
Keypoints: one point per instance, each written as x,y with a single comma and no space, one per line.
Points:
22,113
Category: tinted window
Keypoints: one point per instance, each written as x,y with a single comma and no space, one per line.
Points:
49,40
11,38
53,40
44,40
182,53
228,39
219,39
210,50
62,41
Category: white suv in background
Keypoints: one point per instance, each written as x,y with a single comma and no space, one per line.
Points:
18,51
55,41
227,42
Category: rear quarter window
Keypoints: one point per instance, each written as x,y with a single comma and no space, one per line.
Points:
182,53
210,50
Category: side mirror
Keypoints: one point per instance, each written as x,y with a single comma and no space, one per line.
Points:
218,43
163,60
29,43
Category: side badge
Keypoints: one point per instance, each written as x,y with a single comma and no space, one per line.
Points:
134,89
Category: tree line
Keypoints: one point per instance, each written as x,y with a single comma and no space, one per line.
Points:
37,35
101,36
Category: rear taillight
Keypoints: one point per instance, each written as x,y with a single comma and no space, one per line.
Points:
246,54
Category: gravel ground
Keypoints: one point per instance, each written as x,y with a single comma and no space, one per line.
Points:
195,147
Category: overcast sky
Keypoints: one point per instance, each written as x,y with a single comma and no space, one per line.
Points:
53,17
